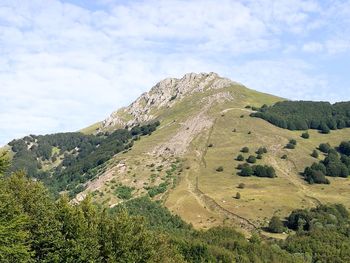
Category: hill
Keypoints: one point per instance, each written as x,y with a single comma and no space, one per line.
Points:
189,161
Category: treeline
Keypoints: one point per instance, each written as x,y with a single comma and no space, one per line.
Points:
65,161
322,232
336,164
304,115
36,228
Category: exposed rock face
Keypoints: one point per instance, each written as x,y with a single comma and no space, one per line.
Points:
165,94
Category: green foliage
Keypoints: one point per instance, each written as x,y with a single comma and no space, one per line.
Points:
276,225
124,192
240,158
80,155
264,171
324,147
238,195
246,171
304,115
322,231
290,146
156,190
245,150
261,150
315,154
305,135
251,159
336,164
35,228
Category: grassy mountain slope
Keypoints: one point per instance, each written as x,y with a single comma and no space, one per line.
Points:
178,154
176,165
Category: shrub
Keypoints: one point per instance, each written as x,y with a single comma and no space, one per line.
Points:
305,135
124,192
240,158
284,157
238,195
246,171
261,150
293,141
241,186
324,147
220,169
259,156
276,225
290,146
315,154
210,145
245,150
251,159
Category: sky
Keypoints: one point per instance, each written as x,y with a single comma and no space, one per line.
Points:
67,64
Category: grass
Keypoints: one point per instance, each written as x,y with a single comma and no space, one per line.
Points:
261,197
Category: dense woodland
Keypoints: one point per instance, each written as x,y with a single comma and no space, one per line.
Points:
34,227
304,115
65,161
335,164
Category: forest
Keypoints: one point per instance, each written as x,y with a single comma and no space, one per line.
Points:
34,227
304,115
65,161
335,164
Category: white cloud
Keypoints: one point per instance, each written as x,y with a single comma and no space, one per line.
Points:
312,47
64,66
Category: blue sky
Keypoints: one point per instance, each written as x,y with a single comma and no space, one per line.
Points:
67,64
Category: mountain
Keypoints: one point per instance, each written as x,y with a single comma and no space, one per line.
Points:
179,143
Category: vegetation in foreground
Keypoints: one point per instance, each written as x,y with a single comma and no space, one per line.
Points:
36,228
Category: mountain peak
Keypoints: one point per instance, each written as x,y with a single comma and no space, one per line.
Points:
164,95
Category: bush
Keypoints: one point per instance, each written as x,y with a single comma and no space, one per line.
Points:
220,169
245,150
259,156
124,192
240,158
264,171
261,150
241,186
251,159
324,147
246,171
238,195
284,157
276,225
293,141
210,145
290,146
315,154
305,135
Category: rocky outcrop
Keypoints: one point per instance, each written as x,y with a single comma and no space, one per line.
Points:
165,94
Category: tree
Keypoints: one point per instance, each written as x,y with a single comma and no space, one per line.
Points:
240,158
290,146
305,135
324,128
315,154
251,159
220,169
324,147
276,225
245,150
344,148
238,195
241,186
293,141
246,171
